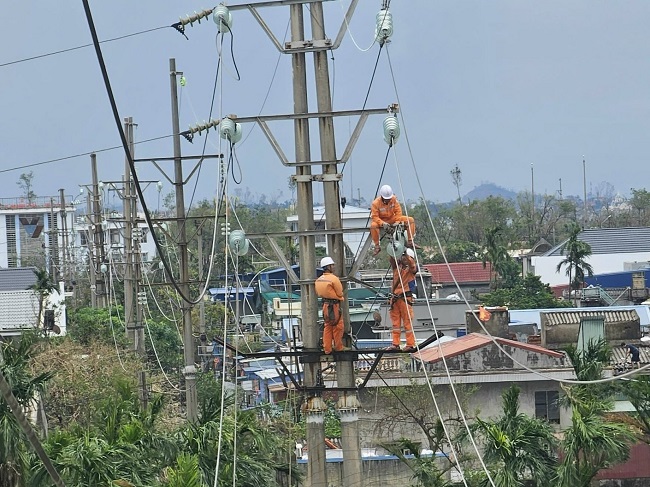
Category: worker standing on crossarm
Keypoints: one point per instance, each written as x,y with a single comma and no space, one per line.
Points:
386,211
330,289
401,302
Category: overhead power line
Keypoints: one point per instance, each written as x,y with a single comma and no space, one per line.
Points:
65,158
70,49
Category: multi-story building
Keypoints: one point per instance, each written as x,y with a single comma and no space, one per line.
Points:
37,232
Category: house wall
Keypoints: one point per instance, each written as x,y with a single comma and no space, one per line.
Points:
490,358
558,336
545,266
4,261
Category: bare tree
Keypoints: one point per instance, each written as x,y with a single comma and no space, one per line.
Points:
457,178
26,183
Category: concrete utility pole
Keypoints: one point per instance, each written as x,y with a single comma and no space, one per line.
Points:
127,201
315,406
189,370
348,402
92,268
64,239
98,237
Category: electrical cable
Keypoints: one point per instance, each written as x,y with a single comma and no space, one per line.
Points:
444,360
347,28
136,181
65,158
474,313
17,61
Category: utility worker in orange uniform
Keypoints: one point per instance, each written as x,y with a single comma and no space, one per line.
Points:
401,301
330,289
386,211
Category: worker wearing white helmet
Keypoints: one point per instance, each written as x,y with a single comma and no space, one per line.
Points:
401,301
386,211
330,290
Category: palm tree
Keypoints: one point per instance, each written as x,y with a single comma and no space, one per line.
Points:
19,389
576,254
496,253
517,446
44,286
593,441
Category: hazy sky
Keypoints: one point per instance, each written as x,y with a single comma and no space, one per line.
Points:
490,86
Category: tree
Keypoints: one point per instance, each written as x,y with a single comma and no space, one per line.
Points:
576,253
516,446
26,183
640,201
594,440
496,253
25,387
44,286
457,178
527,293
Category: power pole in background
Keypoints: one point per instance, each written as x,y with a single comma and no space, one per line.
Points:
64,240
127,201
189,371
98,237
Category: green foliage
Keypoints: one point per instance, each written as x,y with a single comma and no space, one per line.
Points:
26,184
594,440
87,325
185,473
576,253
516,445
527,293
25,387
425,469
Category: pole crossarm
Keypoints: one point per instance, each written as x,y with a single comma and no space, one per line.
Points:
299,233
155,160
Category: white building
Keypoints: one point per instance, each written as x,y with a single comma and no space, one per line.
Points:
34,231
611,249
351,217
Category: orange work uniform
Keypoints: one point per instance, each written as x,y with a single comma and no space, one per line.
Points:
390,212
401,301
330,289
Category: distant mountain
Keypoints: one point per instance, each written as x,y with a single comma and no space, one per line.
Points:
489,189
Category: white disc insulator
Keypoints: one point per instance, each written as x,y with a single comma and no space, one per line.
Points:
391,130
384,27
223,18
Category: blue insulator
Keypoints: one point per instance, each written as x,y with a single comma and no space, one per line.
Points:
222,17
391,129
384,28
230,130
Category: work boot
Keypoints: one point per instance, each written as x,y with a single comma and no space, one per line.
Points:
393,348
409,349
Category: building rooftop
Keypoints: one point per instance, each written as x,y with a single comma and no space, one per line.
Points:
475,341
612,240
464,272
17,278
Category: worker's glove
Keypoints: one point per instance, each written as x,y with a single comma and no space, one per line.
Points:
385,225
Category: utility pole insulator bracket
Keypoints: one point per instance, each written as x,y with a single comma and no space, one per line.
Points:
297,46
328,178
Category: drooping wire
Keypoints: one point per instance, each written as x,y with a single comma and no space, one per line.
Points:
205,141
136,181
444,360
232,156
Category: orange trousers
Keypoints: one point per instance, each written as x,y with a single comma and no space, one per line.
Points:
333,333
401,312
408,221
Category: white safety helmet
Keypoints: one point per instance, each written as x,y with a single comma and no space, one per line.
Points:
325,261
386,192
410,253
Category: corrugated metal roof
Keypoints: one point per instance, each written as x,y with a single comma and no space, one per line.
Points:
462,271
619,355
573,317
474,341
17,278
612,240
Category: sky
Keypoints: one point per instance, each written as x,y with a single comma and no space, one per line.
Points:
492,87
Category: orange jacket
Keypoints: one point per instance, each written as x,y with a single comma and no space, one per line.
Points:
381,212
329,286
403,272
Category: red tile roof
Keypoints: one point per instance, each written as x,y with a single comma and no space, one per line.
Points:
471,342
463,272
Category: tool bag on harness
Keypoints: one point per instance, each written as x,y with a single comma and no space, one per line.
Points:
331,311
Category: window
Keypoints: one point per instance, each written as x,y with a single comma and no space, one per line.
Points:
83,239
115,236
547,407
